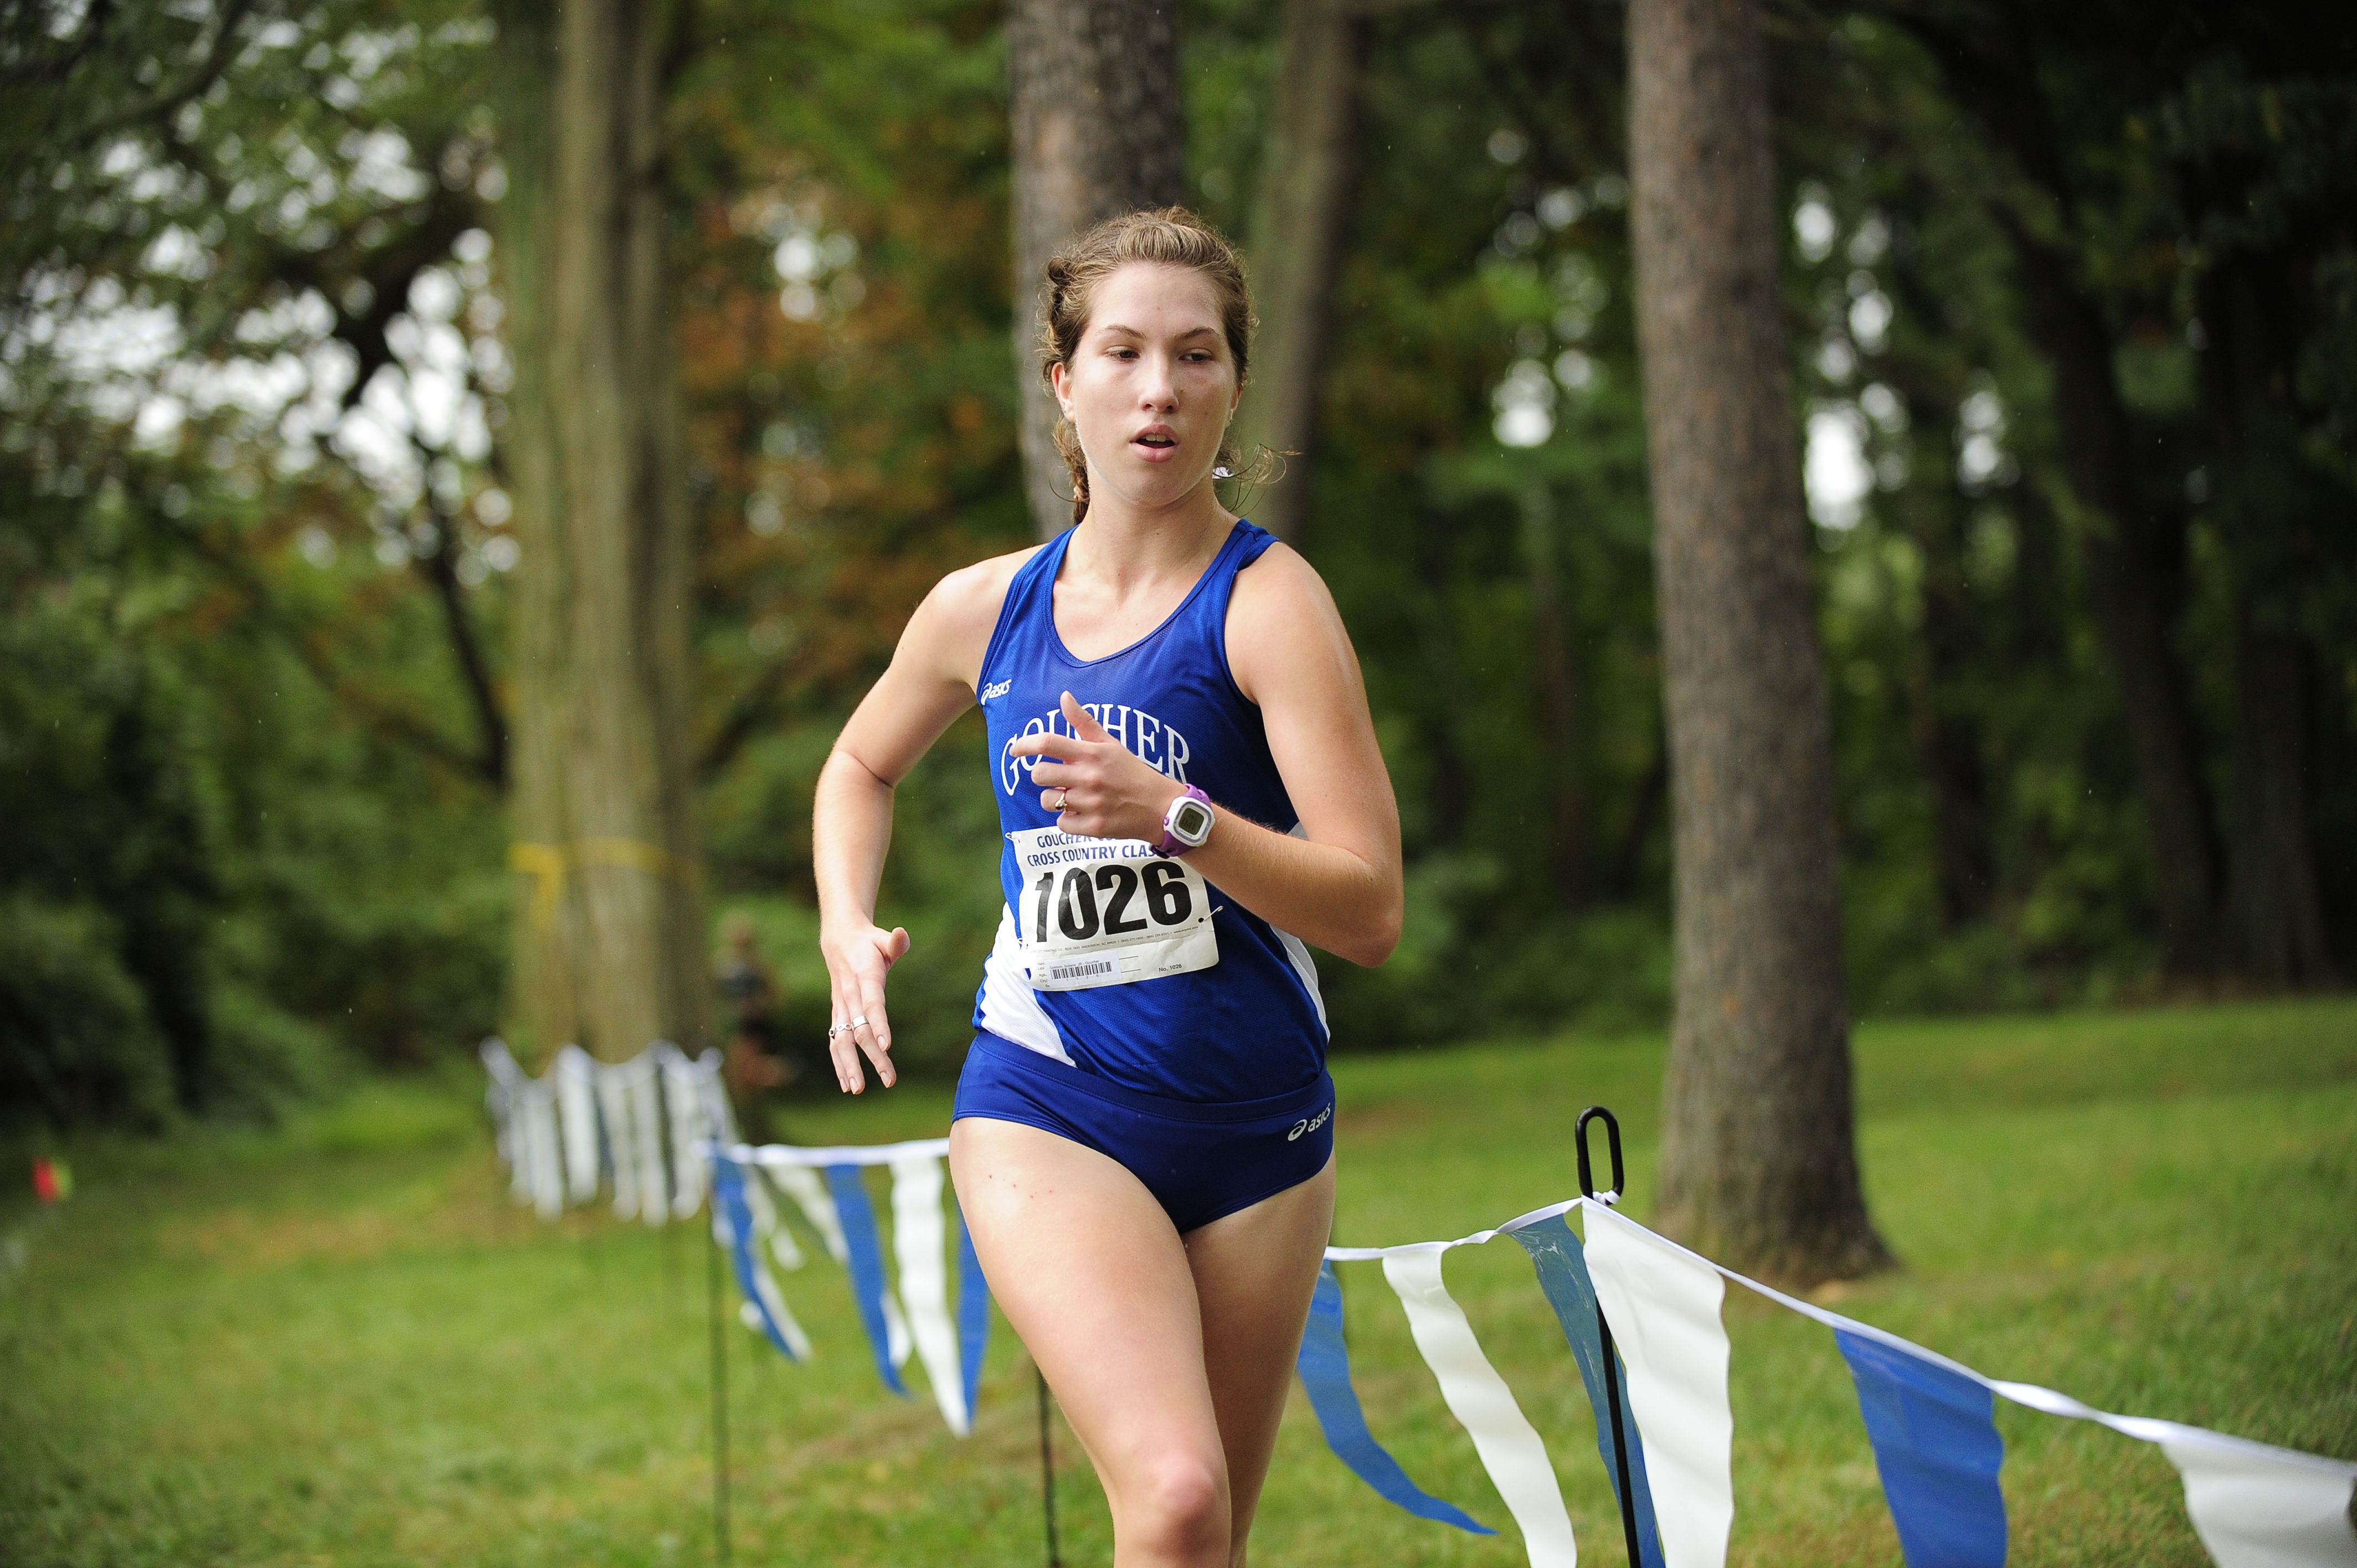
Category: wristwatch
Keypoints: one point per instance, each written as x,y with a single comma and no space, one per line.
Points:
1187,823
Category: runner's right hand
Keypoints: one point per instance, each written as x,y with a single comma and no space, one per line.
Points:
857,960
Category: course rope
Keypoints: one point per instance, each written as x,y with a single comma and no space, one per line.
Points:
1929,1419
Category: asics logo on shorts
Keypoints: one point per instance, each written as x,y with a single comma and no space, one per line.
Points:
1311,1125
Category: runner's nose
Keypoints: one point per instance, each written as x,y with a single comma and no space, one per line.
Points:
1161,387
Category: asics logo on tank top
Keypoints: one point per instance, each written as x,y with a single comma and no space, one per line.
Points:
1156,743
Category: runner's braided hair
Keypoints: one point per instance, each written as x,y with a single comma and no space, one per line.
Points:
1170,237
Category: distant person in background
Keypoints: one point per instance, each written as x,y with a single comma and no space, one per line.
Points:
753,1064
1189,789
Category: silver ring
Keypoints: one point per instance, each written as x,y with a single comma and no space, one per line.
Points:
858,1023
832,1030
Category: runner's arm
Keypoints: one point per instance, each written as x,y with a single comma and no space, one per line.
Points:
928,684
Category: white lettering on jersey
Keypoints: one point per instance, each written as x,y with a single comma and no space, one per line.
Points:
1153,742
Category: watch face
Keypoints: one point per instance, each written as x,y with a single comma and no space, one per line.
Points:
1192,823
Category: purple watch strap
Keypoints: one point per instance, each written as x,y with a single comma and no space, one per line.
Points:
1170,846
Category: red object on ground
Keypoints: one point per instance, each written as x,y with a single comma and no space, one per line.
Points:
45,1181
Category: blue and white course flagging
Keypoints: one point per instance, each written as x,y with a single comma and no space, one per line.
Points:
1936,1444
1929,1419
644,1121
866,1268
1325,1367
1563,1276
911,1314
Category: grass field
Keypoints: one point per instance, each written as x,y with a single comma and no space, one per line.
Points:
340,1344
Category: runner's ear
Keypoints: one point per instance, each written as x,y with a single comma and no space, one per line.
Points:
1083,722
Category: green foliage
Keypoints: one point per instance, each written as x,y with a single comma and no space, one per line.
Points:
248,851
252,539
2146,1209
107,879
213,879
76,1041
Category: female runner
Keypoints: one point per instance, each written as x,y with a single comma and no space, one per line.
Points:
1190,786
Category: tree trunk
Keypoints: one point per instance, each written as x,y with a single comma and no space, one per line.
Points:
1100,128
1758,1154
2276,905
2266,511
1297,237
1558,696
2130,571
1448,787
2131,554
609,940
1947,721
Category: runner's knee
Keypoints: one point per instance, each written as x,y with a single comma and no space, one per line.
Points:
1177,1506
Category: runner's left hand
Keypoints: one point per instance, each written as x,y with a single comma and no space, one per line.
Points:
1109,792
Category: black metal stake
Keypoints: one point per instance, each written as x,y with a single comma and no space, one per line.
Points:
1604,1329
1047,1473
719,1407
1620,1446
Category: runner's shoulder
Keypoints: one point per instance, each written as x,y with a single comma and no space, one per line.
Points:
1282,619
1281,580
968,600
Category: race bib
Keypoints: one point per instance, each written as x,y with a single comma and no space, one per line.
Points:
1107,911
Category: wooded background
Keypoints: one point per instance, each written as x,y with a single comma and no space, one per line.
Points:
307,621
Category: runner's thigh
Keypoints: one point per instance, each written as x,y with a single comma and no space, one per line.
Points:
1254,1273
1088,1269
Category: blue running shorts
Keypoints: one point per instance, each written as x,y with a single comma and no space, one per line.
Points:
1200,1161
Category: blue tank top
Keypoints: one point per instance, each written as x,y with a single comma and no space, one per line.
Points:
1251,1026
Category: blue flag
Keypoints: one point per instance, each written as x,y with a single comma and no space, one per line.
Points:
1325,1367
972,1311
1562,1275
728,1187
1936,1444
867,1258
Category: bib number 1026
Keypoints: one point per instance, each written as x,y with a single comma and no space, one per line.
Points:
1107,912
1114,899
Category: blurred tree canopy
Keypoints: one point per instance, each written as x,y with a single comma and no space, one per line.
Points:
2074,303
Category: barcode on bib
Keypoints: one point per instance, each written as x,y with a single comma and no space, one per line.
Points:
1079,971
